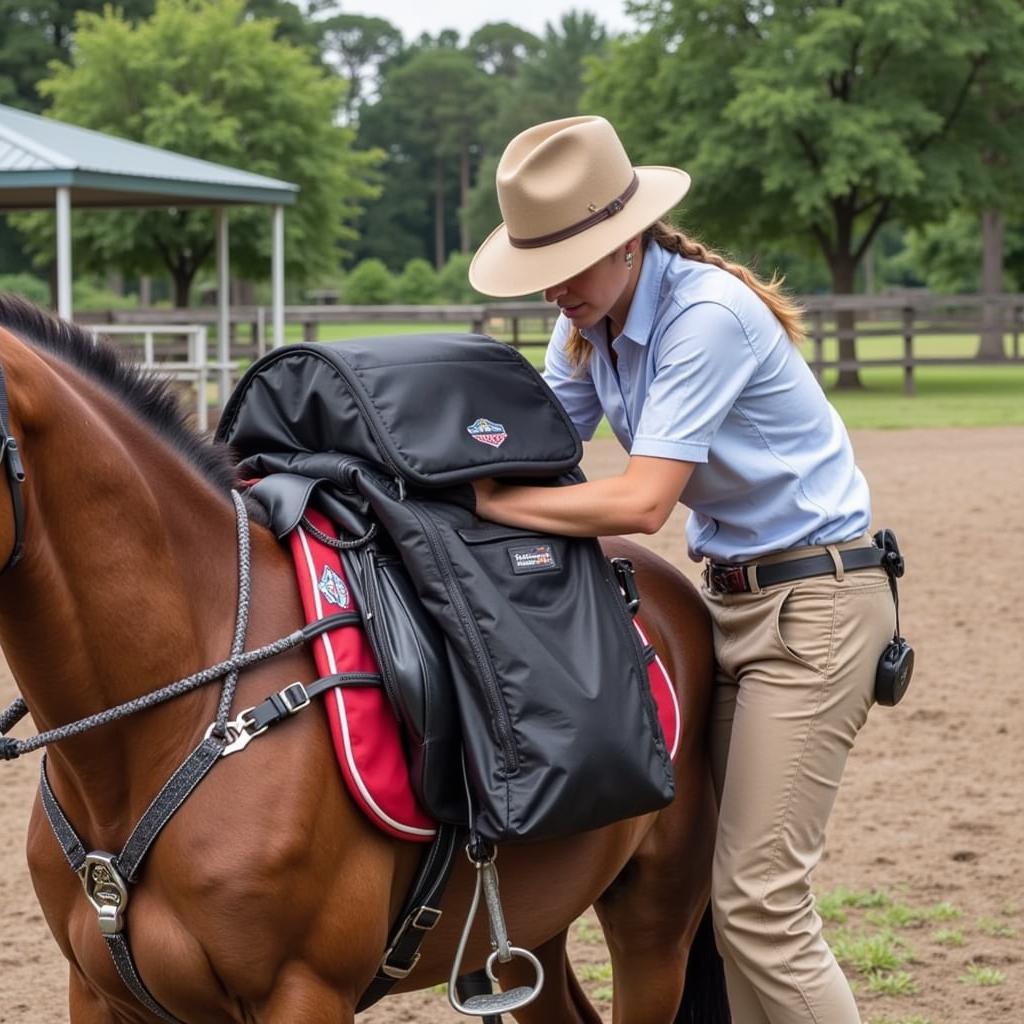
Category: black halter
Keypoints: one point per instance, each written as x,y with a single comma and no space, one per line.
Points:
15,477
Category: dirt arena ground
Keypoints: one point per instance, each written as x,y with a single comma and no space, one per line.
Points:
923,880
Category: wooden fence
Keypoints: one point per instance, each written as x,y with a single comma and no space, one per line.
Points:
830,318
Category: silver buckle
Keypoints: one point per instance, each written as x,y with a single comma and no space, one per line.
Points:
106,890
412,921
287,701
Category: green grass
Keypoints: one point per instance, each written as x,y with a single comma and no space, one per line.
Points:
916,1019
996,929
948,937
895,983
984,977
869,953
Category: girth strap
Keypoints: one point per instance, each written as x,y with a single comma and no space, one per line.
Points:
418,916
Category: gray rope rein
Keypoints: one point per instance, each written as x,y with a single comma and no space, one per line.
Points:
239,660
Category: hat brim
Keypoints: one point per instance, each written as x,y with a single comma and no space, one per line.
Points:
502,270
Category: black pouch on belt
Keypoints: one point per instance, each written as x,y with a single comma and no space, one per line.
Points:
896,665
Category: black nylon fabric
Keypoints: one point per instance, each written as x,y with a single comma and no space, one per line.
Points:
418,405
556,718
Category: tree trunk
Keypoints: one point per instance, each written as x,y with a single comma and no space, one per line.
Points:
843,272
439,218
182,278
991,342
464,242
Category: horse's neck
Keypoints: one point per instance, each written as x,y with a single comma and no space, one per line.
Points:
128,582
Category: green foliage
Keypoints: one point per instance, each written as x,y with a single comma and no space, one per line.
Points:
369,284
358,47
91,295
37,33
946,254
28,286
820,121
429,120
453,281
500,48
417,284
948,937
203,79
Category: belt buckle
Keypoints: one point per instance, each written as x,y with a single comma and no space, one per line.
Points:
727,579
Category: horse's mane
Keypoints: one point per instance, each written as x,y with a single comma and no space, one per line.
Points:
142,391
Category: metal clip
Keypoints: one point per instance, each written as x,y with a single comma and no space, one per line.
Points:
240,733
9,450
106,890
626,576
486,1005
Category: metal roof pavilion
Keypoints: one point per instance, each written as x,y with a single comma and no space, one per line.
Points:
46,164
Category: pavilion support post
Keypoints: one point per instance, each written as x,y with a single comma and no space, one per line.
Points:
223,309
64,253
277,277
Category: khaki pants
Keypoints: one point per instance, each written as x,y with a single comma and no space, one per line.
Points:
795,681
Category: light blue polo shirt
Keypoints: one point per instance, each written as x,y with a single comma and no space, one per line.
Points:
706,374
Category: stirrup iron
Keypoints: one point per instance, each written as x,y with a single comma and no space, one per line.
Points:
502,950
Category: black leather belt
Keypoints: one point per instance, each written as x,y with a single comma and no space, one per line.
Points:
722,578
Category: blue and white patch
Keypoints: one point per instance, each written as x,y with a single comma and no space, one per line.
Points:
487,432
332,586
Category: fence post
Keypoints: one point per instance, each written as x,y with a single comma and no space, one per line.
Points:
310,332
908,350
818,336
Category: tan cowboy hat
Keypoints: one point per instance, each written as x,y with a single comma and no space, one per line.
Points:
569,196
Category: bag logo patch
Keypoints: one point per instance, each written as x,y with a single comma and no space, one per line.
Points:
487,432
535,558
332,586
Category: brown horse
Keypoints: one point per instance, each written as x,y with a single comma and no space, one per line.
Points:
269,896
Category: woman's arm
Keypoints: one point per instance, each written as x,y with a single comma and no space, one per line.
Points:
637,501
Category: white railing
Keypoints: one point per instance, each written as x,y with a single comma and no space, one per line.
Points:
194,369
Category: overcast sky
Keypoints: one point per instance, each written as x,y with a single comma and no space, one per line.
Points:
416,16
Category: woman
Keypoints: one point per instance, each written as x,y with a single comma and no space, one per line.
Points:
693,362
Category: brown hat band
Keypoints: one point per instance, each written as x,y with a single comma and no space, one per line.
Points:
574,229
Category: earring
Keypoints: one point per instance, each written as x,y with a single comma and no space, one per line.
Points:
629,259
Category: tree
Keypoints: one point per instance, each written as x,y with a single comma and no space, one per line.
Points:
37,32
358,47
813,120
500,48
203,79
429,118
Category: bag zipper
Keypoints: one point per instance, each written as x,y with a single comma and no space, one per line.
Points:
469,625
375,628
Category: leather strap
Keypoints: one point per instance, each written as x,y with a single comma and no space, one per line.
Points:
612,208
723,578
419,914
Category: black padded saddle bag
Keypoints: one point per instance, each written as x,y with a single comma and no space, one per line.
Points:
558,726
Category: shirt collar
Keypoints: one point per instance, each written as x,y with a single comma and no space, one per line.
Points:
644,307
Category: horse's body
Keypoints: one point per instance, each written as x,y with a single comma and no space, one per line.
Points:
269,896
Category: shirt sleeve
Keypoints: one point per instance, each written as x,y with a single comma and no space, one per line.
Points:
572,387
703,363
